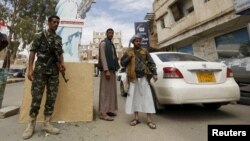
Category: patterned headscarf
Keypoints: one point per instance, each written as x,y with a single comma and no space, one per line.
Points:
136,36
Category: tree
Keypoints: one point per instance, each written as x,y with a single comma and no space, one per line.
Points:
25,18
4,11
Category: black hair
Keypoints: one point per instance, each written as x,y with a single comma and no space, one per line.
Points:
109,29
53,16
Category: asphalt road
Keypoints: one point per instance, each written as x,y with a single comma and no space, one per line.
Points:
175,123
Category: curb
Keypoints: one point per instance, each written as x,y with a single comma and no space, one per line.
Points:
14,80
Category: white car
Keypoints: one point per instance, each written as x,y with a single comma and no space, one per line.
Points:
187,79
122,77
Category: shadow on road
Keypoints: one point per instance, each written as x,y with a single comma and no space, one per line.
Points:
190,112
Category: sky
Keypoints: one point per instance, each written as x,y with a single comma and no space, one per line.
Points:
117,14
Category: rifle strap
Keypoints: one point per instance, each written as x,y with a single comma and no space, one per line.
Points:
47,42
45,39
147,70
140,57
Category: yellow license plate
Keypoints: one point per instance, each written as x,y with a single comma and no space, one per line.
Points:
205,76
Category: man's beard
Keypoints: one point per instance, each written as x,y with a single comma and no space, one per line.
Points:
137,46
110,38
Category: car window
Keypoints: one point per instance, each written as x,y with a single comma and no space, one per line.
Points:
178,57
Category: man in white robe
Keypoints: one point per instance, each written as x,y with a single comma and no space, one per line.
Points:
139,97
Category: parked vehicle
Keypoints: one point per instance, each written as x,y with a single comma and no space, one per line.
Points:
122,77
237,57
17,72
187,79
240,68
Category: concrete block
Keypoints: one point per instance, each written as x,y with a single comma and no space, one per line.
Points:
9,111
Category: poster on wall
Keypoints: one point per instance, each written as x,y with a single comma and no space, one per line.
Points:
142,29
71,31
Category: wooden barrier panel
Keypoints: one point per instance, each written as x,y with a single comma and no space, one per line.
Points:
75,98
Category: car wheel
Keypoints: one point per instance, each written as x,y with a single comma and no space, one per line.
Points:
158,107
212,106
123,93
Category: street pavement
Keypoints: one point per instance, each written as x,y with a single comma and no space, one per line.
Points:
188,123
96,130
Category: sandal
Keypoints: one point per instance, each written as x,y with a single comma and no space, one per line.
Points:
134,122
106,118
111,114
151,125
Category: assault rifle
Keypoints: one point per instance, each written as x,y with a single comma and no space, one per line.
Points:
54,59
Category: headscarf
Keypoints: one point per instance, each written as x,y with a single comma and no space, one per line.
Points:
136,36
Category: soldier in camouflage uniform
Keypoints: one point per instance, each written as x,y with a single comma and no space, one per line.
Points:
44,76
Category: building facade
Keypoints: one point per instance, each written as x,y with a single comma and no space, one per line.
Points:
152,31
90,53
205,28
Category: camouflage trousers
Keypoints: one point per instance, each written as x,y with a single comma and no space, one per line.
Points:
39,83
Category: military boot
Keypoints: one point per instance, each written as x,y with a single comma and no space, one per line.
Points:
48,127
28,132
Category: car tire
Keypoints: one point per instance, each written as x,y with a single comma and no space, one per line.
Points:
158,107
211,106
123,93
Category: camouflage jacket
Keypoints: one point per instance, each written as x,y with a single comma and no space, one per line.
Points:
41,49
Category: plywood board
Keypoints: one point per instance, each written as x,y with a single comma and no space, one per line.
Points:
75,98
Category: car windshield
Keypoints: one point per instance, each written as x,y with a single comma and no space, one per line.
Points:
178,57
